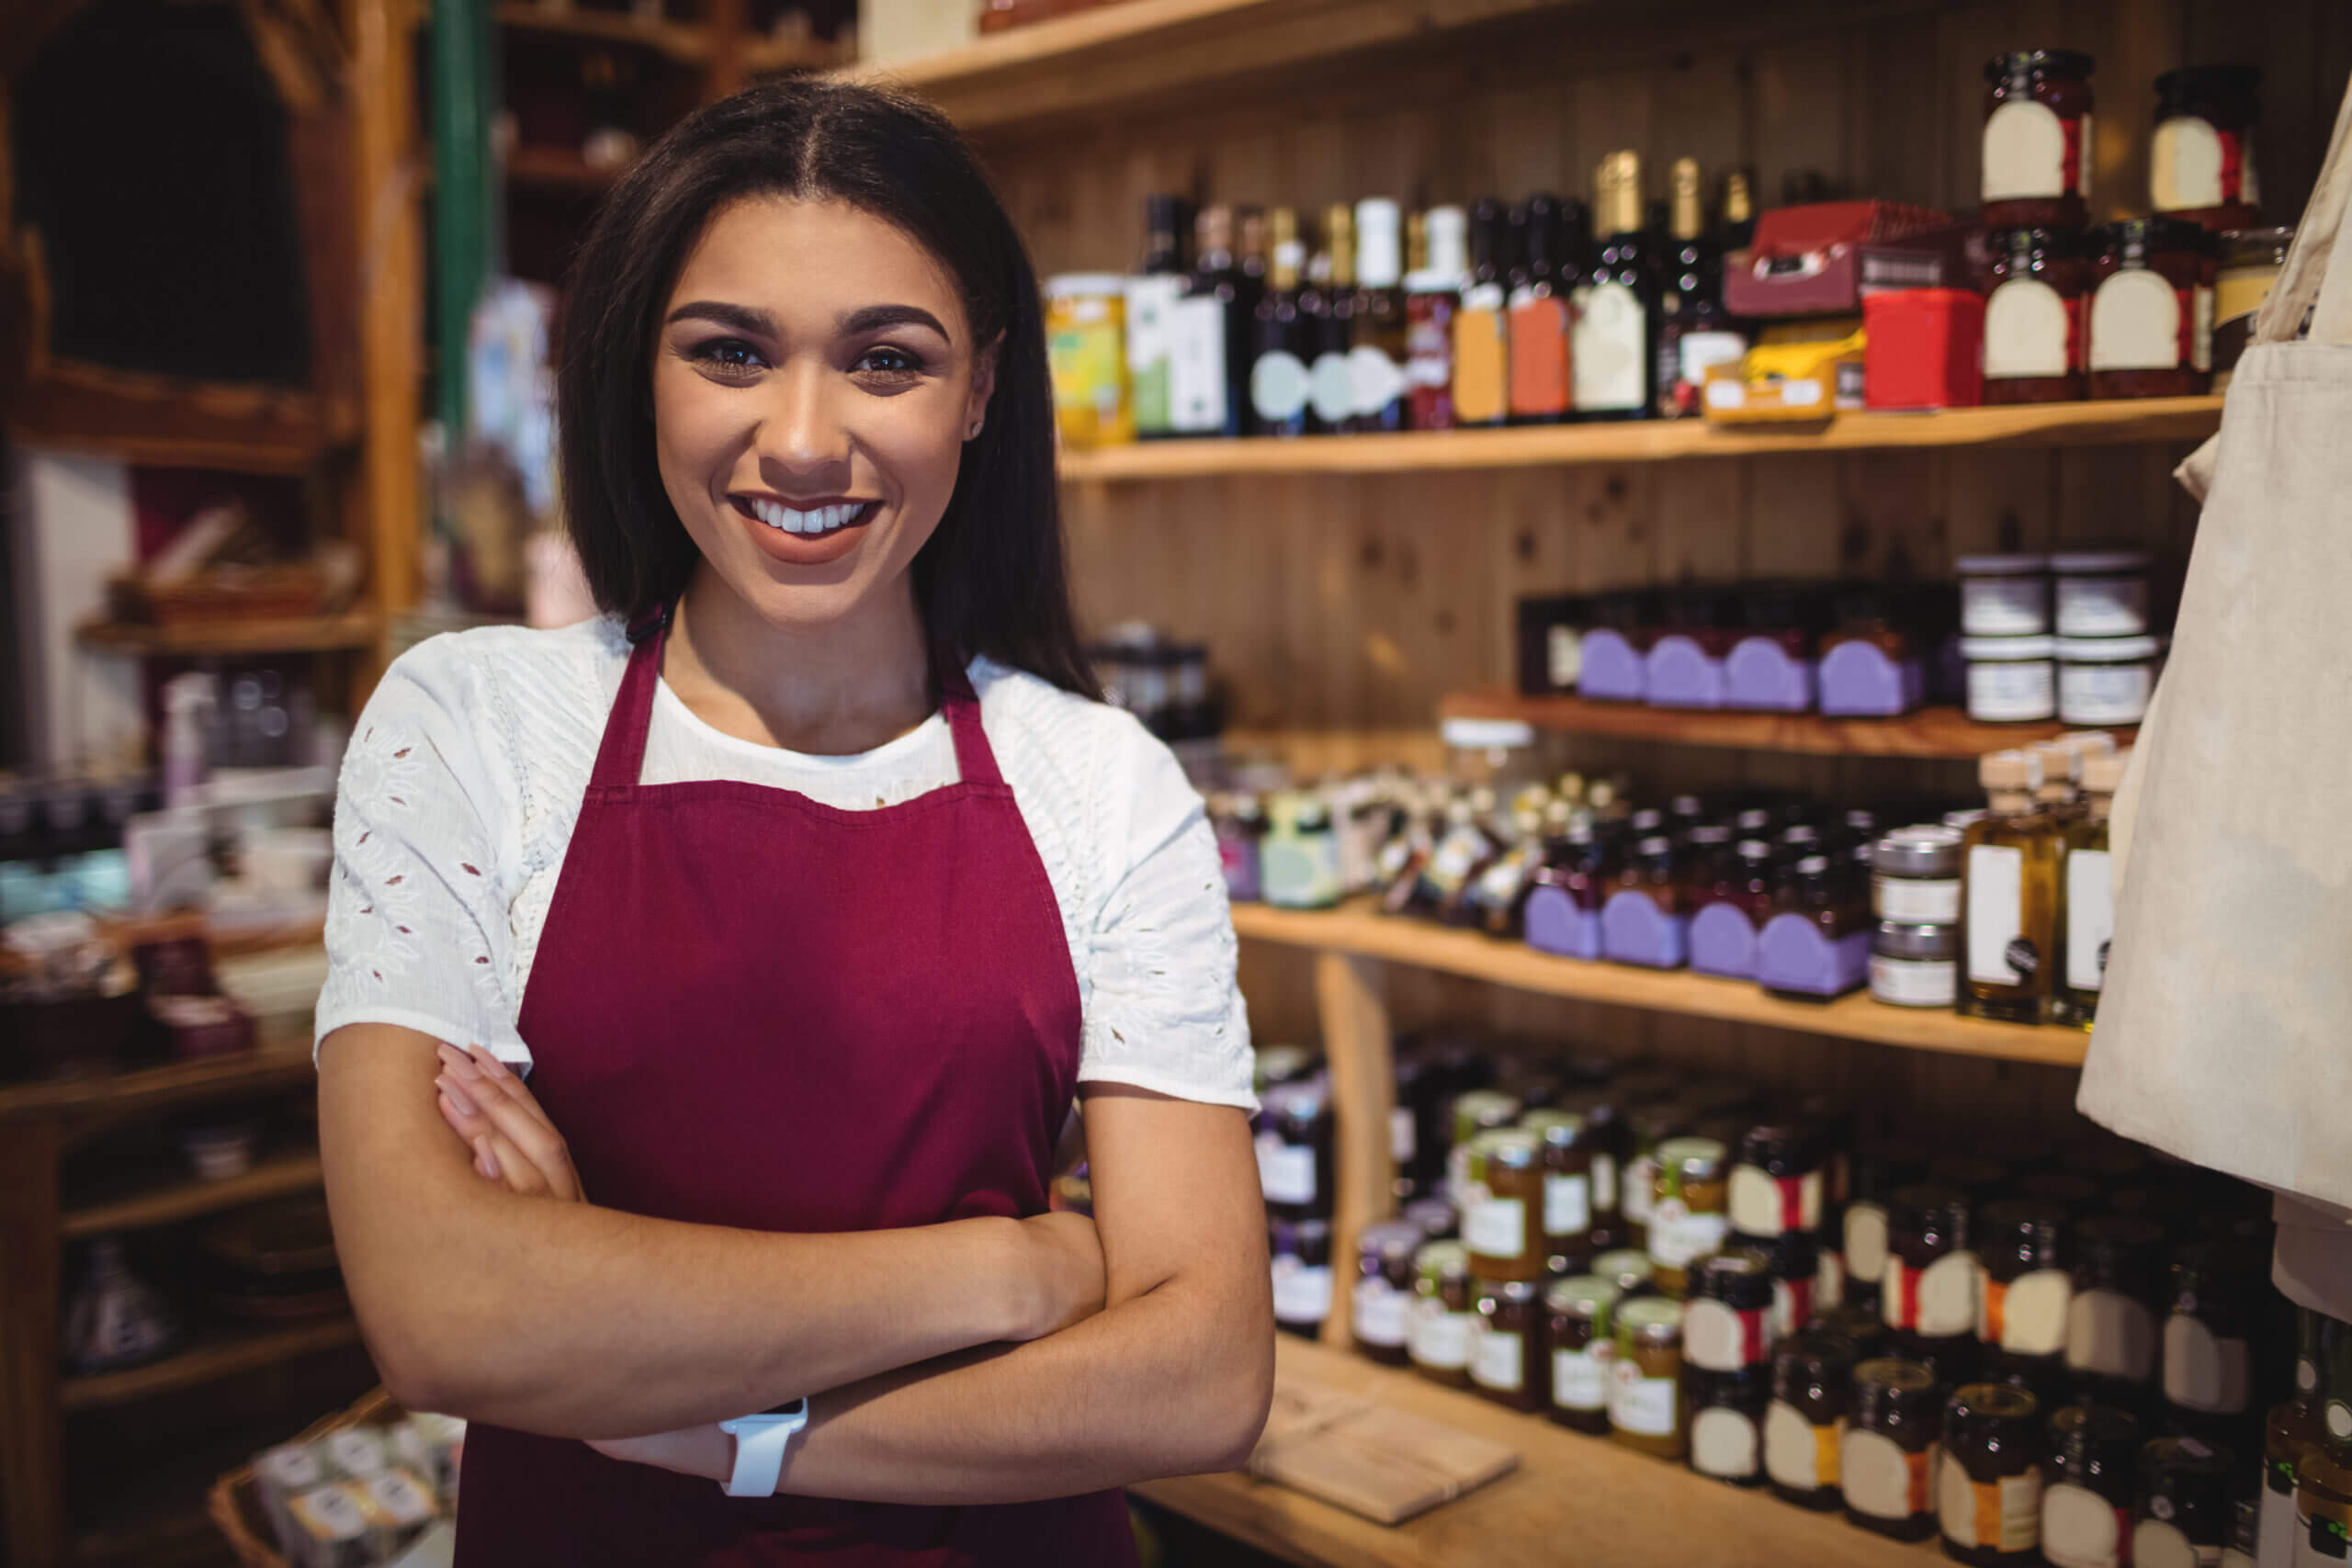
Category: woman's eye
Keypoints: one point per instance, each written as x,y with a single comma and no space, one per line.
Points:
889,361
727,356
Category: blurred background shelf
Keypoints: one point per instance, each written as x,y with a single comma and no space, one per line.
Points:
272,1177
215,1352
1944,733
314,634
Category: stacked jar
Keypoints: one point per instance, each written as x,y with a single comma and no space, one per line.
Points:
2107,654
1915,893
2005,638
1294,1135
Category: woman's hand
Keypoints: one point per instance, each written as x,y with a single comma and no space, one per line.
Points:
511,1139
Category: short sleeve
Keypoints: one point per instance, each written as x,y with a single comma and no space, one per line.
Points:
417,934
1166,1012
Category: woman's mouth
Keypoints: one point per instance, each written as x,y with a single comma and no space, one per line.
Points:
812,522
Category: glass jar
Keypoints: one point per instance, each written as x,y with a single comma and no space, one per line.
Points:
1690,1218
1380,1313
1776,1182
2101,594
1298,860
1629,1270
2118,1291
2202,164
1503,1224
1650,1124
2028,1285
2086,1505
1727,1318
2011,680
1294,1139
2037,141
1859,1326
1646,1377
1915,876
1302,1264
2035,348
1507,1363
1813,1398
1086,334
2105,679
1726,1417
1988,1495
1883,1465
1929,1291
1915,966
1475,1111
1794,1258
2183,1513
2152,313
1444,1312
2218,1291
2250,265
1567,1187
1577,1331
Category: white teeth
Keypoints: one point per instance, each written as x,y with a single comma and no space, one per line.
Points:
820,520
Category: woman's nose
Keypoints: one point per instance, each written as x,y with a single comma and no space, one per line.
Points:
801,431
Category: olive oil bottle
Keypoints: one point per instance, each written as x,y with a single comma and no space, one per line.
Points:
2089,896
2010,891
2324,1474
2292,1431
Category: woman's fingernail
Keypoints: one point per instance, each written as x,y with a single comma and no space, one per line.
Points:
489,1063
458,1096
484,1160
459,1063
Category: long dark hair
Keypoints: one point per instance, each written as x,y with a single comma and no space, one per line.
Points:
991,579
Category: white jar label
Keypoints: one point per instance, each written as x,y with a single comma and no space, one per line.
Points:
1150,299
1563,657
2105,693
2203,1370
1332,387
1718,1338
1567,1205
1286,1171
2200,340
1766,1205
1678,1237
1724,1444
2080,1529
1404,1136
1915,982
1880,1479
2028,331
2012,690
1795,1454
1828,1280
1643,1405
1279,386
1497,1360
2102,606
2110,1334
2156,1544
2027,150
1866,1254
2185,165
1440,1339
2090,918
1999,953
2004,606
1611,348
1302,1292
1380,1313
2028,1315
1640,1188
1497,1228
1948,1296
2139,321
1379,380
1918,900
1580,1378
1196,378
2005,1514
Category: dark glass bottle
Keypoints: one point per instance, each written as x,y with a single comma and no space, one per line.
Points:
2294,1428
1738,230
1694,330
1331,307
1614,351
1481,324
1380,353
1539,317
2111,1323
1225,293
1279,383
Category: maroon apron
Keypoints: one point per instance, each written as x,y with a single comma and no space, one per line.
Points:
750,1009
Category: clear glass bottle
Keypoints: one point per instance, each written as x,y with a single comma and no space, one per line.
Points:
2009,862
1331,382
2088,898
2290,1432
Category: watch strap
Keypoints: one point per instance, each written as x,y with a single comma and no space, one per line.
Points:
761,1444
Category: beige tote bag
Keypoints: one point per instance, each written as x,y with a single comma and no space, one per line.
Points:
2224,1034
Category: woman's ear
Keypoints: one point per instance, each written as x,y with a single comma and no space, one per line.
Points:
976,402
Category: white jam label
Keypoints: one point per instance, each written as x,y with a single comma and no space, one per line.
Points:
1332,387
1698,351
1497,1360
1793,1451
1286,1171
2185,165
2090,918
2025,152
1948,1296
1610,349
1918,900
1580,1378
402,1496
1678,1237
2135,322
1915,982
1404,1136
1196,384
1995,928
2034,1313
1567,1205
1440,1339
2005,1514
1757,1205
1379,380
1866,1255
2155,1544
1497,1228
1877,1476
2028,331
2080,1529
2110,1334
2012,690
2102,606
2200,337
1644,1406
2105,693
2004,606
1724,1444
1714,1337
2202,1371
1829,1280
358,1453
1302,1292
1279,386
1380,1313
332,1513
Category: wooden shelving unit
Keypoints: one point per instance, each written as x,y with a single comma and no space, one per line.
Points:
313,634
558,169
276,1176
2035,425
1574,1499
214,1354
683,42
1935,732
279,1061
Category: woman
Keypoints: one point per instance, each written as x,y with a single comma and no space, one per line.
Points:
807,886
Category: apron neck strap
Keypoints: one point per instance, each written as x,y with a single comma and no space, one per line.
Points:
975,759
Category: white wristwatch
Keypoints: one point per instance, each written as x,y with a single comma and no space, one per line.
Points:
759,1444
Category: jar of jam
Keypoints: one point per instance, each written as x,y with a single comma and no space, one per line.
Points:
2111,1321
2038,142
2201,167
1727,1316
1475,1113
1928,1291
1508,1363
1862,1231
1689,1219
1813,1397
1882,1464
1294,1143
1603,1141
1776,1182
2035,345
1794,1259
2028,1285
1567,1187
1302,1264
1988,1493
2183,1513
1444,1312
1578,1329
2087,1508
2218,1291
1650,1123
1503,1224
1646,1377
1630,1272
1859,1326
2251,262
1727,1415
2152,310
1380,1312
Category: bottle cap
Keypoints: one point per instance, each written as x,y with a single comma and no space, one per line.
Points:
1380,260
2008,771
1448,228
2104,775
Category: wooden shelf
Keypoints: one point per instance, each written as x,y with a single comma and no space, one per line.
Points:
558,168
278,1060
1937,732
683,42
1356,929
1574,1498
214,1354
1650,441
762,56
310,634
271,1178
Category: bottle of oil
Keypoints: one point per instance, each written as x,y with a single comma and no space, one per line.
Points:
2292,1431
2009,915
2087,897
2323,1476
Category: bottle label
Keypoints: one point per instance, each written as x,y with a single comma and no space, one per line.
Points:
1725,1444
1481,361
1567,1205
1538,354
1151,301
1285,1171
2082,1530
1798,1454
1380,1313
1915,982
1197,396
1919,901
2274,1536
1640,1405
1496,1227
2028,1315
1279,386
1996,937
1947,1296
1302,1292
1719,1339
1378,381
2157,1543
2110,1334
2090,918
1694,354
1440,1339
2203,1370
1497,1360
1429,341
1610,349
2140,321
2030,152
1762,1204
2193,165
1678,1237
1866,1255
1332,388
1300,871
2030,329
2005,1514
1880,1479
1580,1378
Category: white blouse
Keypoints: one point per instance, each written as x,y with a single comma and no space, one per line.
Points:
466,774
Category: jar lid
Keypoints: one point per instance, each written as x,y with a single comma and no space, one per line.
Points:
2146,235
2069,1189
2243,246
1486,734
1513,1146
1559,1129
1519,1292
1972,1174
2025,243
1741,1278
1628,1269
1960,822
1921,851
1892,1385
1391,1240
1997,1417
1932,1210
1656,1319
1859,1327
1710,833
2187,1481
2025,61
1747,1390
1433,1217
2098,563
2006,649
1439,1260
2002,566
1791,1255
1895,939
1297,1238
2118,1247
1582,1295
1071,284
2096,1446
2106,649
2223,78
2024,1230
2222,1273
1695,1159
1778,1148
1478,1108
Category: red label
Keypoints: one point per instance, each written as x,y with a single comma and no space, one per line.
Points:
1792,1303
2070,166
1900,1307
2079,335
2232,165
2187,297
1754,1337
1791,1203
2123,1538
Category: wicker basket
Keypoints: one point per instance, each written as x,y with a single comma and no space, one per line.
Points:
235,1499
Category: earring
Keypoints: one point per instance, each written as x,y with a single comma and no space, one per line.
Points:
974,434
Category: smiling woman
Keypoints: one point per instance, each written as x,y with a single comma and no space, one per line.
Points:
810,885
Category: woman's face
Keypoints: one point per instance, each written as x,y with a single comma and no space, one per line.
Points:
814,382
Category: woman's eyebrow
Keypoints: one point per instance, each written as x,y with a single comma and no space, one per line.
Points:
742,318
872,318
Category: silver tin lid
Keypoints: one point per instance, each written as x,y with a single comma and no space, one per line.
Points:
1918,851
1897,939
